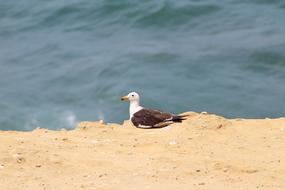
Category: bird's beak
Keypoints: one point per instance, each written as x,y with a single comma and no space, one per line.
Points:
124,98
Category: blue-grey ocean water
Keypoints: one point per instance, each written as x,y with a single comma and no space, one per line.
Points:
64,61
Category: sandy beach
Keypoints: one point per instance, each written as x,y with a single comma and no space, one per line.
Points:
204,152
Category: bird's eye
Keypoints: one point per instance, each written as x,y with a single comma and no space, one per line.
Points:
133,95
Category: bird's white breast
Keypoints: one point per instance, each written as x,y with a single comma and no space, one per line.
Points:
134,107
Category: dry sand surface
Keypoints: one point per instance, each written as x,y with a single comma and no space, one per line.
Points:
204,152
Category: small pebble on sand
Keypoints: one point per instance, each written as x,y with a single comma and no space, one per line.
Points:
94,141
18,158
173,142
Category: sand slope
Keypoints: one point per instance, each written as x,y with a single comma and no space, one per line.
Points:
204,152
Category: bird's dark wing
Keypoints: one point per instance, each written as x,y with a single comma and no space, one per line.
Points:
149,117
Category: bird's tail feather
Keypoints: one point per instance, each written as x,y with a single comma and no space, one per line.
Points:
179,118
175,118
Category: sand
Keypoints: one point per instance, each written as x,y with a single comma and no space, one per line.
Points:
204,152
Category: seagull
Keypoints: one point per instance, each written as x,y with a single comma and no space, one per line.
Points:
149,118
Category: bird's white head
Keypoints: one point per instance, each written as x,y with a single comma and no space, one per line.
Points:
132,97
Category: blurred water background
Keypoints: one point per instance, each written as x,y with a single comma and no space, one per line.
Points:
64,61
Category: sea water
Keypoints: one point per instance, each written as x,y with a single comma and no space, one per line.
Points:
65,61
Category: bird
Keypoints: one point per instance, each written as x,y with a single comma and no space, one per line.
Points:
149,118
